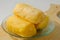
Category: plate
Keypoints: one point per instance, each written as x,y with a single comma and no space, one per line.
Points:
49,29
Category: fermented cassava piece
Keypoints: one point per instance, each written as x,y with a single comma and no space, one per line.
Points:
20,26
44,23
29,13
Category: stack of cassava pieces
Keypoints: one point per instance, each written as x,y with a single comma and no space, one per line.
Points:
26,21
55,35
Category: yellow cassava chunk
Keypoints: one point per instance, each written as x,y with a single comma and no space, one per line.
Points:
20,27
43,24
28,13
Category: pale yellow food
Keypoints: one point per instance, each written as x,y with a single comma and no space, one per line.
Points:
20,26
29,13
43,24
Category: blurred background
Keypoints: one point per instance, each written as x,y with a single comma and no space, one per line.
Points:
7,6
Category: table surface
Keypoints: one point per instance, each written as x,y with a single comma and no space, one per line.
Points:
3,35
